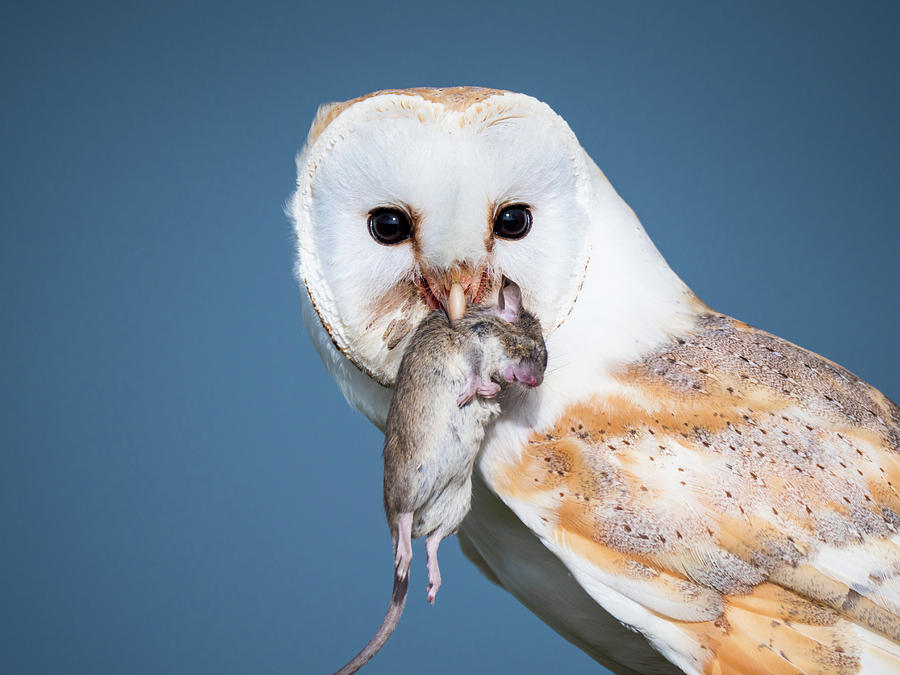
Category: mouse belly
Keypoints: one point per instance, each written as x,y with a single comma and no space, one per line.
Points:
443,513
434,482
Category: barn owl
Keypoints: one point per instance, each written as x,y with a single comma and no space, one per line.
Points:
684,490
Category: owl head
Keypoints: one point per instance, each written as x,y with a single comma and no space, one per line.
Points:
400,194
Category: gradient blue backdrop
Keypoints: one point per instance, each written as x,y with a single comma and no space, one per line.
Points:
182,488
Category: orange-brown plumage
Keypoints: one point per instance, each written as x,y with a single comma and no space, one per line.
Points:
456,99
709,482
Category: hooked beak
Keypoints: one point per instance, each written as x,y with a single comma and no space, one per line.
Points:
456,302
454,289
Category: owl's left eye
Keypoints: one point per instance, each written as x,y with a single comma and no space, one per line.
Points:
513,222
389,226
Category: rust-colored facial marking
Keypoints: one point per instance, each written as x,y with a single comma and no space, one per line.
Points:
728,459
401,303
434,285
409,301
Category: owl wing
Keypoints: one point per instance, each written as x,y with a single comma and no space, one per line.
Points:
733,498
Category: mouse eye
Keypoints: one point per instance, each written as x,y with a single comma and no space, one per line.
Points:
513,222
389,226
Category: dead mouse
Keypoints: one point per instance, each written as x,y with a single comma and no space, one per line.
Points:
444,396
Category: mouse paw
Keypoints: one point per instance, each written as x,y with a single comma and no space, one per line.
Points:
488,389
433,586
464,398
401,563
475,385
468,393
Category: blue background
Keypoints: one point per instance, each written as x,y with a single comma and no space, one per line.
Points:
183,489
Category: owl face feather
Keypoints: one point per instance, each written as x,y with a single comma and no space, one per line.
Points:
449,172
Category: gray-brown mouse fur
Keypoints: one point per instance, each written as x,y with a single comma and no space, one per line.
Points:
444,397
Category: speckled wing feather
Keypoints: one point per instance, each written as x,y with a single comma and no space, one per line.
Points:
734,498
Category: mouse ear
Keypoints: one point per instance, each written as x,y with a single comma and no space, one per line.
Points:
509,300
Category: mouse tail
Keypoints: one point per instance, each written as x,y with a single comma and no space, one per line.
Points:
395,609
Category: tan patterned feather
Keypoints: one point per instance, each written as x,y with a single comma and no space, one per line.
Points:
738,488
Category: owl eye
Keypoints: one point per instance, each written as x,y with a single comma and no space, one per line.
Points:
389,226
513,222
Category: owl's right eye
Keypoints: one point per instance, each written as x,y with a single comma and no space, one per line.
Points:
389,226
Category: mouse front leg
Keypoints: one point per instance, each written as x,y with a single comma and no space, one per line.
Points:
434,572
403,554
475,385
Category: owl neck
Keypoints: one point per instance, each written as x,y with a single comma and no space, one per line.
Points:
631,301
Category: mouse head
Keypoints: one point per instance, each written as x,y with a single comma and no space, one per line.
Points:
522,340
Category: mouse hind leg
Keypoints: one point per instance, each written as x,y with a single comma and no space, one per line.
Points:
456,500
431,549
434,572
403,552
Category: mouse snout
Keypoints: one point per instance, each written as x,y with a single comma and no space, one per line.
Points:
532,379
523,373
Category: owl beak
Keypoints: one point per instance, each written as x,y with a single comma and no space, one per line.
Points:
453,290
456,302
